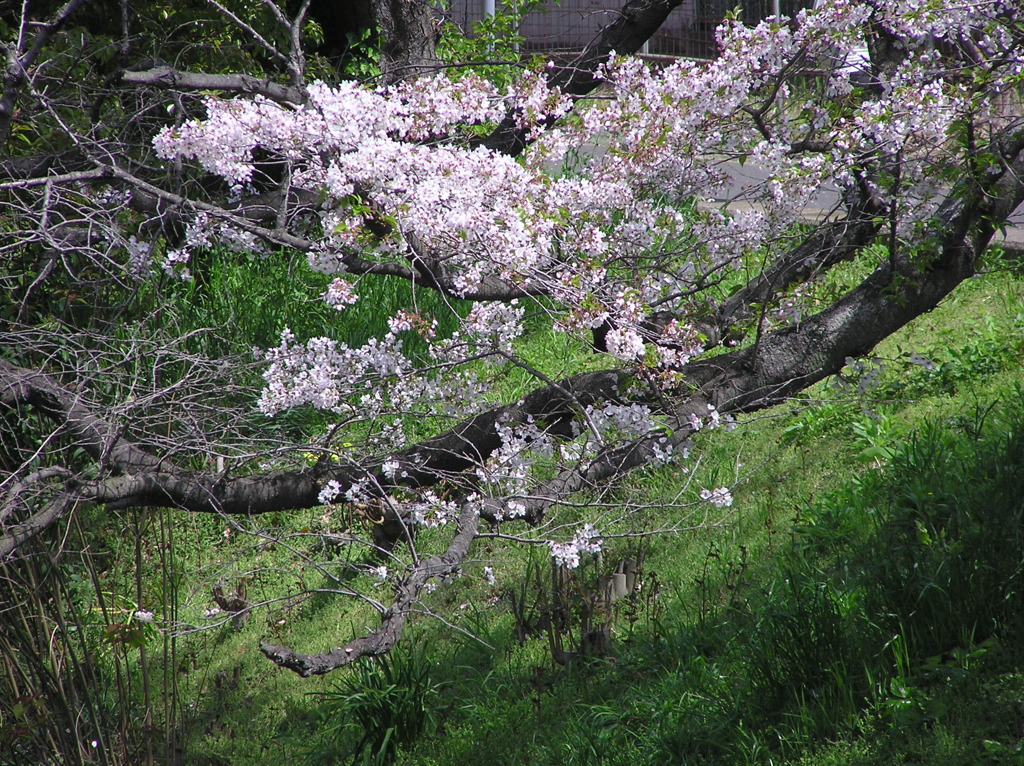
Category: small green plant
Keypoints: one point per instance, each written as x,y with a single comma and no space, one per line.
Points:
962,361
384,704
816,421
873,436
493,48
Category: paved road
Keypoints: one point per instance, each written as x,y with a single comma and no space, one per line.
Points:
827,199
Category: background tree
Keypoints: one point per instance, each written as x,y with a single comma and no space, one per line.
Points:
512,207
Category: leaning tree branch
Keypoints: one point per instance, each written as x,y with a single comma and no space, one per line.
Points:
53,511
831,243
614,460
100,439
784,362
781,364
167,78
424,464
635,24
407,591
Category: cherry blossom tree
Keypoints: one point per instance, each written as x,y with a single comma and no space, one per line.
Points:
580,196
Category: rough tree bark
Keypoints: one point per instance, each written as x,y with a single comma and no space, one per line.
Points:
408,38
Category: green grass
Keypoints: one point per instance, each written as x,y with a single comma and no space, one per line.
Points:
857,605
885,634
760,643
255,298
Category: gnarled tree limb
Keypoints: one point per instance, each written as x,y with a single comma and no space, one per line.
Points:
407,591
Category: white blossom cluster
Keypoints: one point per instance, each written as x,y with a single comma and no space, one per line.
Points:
374,380
385,155
203,231
494,325
330,490
325,373
679,342
624,421
337,118
140,256
484,215
668,127
920,360
625,344
427,510
340,294
665,452
587,540
714,420
862,375
507,471
720,498
590,217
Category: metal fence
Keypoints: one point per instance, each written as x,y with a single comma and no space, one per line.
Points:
568,25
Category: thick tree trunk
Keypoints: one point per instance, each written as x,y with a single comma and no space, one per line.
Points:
408,30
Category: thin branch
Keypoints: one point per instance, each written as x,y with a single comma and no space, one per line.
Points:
28,183
20,386
296,57
249,30
18,64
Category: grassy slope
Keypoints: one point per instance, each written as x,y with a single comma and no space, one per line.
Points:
689,675
668,693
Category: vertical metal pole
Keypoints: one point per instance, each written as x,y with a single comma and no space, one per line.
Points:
486,9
